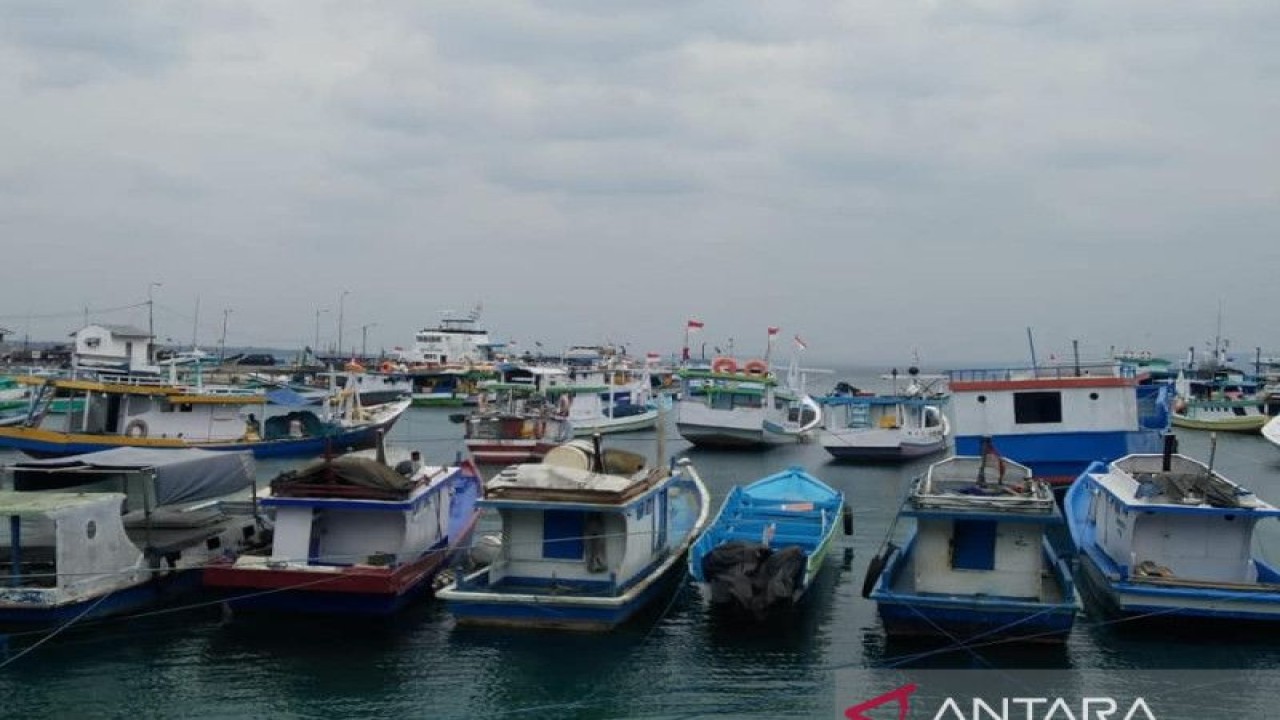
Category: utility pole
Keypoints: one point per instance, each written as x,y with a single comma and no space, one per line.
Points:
342,300
151,322
315,347
222,344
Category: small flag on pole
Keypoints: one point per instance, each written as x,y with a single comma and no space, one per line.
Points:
800,344
773,331
695,325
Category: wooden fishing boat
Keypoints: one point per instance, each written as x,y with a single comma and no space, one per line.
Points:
590,537
768,543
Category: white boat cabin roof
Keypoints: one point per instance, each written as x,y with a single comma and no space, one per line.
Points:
41,504
968,484
1140,481
558,484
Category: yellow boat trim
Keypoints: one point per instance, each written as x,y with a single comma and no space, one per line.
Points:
53,436
115,388
217,399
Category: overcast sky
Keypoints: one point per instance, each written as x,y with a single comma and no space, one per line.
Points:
881,178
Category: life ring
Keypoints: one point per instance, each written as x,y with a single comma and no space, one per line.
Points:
756,367
387,367
875,569
724,365
136,428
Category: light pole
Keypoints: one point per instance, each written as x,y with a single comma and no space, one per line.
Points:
315,347
222,344
151,322
342,300
364,339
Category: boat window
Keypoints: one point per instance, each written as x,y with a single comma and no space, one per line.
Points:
1037,407
562,532
973,545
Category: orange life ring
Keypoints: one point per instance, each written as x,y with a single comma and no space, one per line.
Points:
756,367
724,365
387,367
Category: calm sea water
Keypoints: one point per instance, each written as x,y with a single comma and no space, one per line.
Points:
676,662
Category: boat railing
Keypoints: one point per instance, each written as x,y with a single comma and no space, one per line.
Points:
1042,372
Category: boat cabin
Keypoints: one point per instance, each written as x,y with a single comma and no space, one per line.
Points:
572,524
980,530
1176,519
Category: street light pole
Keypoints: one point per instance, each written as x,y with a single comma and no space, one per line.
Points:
222,344
364,339
342,300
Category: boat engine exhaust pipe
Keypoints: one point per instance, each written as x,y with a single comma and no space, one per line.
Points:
1170,447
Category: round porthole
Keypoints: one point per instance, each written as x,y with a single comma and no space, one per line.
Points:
91,529
1093,396
982,398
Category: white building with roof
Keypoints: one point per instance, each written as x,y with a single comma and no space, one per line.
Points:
121,347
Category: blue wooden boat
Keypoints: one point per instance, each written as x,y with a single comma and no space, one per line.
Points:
589,537
979,565
1166,537
768,542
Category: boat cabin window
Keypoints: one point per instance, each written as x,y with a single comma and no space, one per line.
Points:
729,400
973,545
562,533
1037,407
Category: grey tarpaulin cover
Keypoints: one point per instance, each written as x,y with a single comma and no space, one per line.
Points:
752,576
181,475
346,470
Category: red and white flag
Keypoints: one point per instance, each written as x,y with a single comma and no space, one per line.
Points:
653,357
773,331
694,325
800,344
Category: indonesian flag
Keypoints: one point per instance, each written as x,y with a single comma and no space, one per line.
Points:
694,325
773,331
652,357
800,344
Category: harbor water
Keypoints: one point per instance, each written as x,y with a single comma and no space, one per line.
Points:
677,661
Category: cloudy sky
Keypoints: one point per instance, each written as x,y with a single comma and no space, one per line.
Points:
880,177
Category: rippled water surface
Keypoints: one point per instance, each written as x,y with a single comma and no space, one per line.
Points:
677,661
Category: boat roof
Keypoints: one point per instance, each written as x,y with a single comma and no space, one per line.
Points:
984,485
37,504
1043,377
793,485
1141,481
179,474
558,484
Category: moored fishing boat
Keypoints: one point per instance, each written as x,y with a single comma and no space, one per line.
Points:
601,400
589,538
733,406
1059,419
890,427
515,421
979,563
119,530
136,412
353,536
1165,538
767,544
1219,405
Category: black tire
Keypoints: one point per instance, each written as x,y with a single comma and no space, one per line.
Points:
847,516
875,569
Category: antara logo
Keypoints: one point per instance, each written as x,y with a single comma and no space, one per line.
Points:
1010,708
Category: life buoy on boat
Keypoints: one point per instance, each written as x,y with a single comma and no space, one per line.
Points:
756,367
136,428
724,365
387,367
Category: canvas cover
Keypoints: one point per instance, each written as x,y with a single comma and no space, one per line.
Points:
752,577
345,470
181,475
